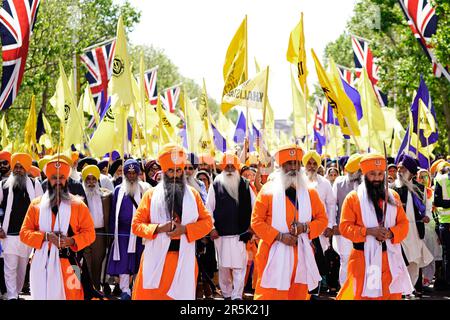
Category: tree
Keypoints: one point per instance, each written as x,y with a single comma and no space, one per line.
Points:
401,58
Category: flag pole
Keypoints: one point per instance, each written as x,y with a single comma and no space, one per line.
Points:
264,116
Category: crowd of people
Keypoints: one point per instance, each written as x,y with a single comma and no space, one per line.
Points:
184,226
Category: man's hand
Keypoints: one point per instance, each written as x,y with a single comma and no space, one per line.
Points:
288,239
380,233
336,230
67,242
165,227
178,231
54,239
2,234
300,228
328,232
214,234
426,219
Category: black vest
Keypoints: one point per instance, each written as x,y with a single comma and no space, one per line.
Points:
403,193
229,217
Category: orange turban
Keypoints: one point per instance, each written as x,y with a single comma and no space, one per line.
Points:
63,157
5,155
34,171
230,158
75,156
171,156
371,162
54,165
289,153
206,158
23,158
435,165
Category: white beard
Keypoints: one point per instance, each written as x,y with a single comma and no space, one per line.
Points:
17,181
312,175
404,180
91,192
230,183
193,182
131,188
297,181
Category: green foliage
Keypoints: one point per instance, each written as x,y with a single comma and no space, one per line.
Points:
400,56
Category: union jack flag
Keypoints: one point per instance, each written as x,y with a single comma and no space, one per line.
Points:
98,62
17,18
347,75
364,59
170,97
150,85
422,20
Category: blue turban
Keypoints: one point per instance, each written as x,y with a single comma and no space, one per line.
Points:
410,163
131,165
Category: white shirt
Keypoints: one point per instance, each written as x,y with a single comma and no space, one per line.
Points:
211,199
323,187
96,209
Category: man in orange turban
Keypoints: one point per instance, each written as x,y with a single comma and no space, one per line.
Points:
170,217
286,217
16,193
5,164
231,201
46,229
376,269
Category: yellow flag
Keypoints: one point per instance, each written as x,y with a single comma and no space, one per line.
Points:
193,122
89,105
5,131
73,129
58,101
29,136
296,54
166,131
301,111
226,127
251,93
235,66
372,113
120,84
426,120
342,106
206,141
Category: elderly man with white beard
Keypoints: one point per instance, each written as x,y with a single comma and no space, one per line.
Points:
418,213
341,188
286,217
16,194
311,161
231,199
191,171
126,249
99,201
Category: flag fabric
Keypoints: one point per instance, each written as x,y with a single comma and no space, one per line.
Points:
29,135
43,131
235,66
319,127
300,110
17,19
364,58
166,131
373,115
99,63
409,147
5,132
151,89
342,106
206,142
251,93
254,134
428,115
296,54
241,129
219,141
347,74
89,106
193,122
169,98
120,85
422,20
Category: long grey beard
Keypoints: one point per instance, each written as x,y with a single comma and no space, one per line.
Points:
18,181
295,179
91,192
230,183
63,193
130,188
355,177
403,181
193,182
174,192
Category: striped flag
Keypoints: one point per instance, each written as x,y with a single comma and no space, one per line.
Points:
169,98
151,88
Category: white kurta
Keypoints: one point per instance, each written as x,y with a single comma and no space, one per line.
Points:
414,247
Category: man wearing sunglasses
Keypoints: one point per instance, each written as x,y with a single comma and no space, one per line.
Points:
5,164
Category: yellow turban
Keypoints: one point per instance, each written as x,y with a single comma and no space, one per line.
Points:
442,165
311,154
353,163
90,169
43,162
23,158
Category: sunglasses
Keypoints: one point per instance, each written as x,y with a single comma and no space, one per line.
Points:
4,162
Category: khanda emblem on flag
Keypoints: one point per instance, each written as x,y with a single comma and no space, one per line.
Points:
109,116
66,112
118,66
